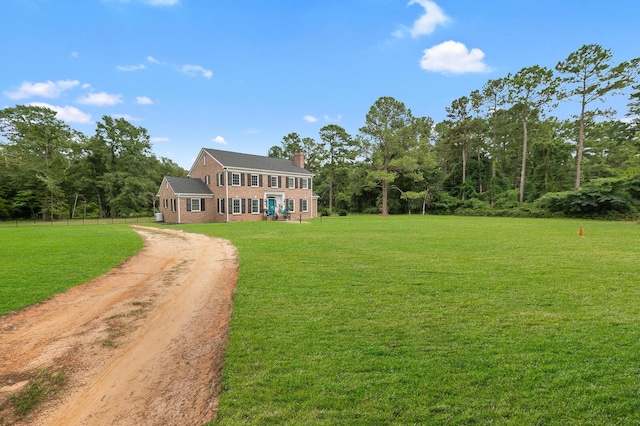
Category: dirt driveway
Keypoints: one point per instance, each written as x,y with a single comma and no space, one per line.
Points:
141,345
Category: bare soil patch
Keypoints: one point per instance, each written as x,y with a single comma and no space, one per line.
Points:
143,344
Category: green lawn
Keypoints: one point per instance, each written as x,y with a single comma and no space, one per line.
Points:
400,320
433,320
38,262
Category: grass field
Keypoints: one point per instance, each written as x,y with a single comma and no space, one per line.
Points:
37,262
433,320
401,320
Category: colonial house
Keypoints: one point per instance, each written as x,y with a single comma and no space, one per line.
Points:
225,186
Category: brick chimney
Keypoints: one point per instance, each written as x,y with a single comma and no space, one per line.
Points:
298,159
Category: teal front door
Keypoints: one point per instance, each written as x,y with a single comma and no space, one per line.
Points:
271,206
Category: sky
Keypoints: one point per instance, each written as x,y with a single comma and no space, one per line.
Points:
240,75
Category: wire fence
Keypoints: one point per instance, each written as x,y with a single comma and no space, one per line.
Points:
77,222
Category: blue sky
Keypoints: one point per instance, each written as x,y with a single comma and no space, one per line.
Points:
240,75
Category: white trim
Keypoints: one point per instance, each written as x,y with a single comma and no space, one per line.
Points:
199,205
233,175
271,178
251,200
233,206
226,191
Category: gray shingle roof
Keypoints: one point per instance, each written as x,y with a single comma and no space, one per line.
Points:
182,185
254,162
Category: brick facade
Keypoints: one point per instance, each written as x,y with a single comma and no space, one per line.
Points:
241,193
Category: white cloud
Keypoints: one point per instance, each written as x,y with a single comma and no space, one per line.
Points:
453,57
425,24
143,100
127,117
252,131
333,120
66,113
159,139
48,89
162,2
310,118
74,54
100,99
131,67
153,60
219,139
86,86
194,70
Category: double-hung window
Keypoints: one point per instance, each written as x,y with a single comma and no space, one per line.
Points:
255,205
235,179
291,205
237,207
291,182
304,205
274,182
304,183
255,180
194,205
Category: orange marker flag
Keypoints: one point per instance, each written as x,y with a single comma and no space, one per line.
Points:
581,233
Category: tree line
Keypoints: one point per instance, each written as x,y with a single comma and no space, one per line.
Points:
50,171
499,151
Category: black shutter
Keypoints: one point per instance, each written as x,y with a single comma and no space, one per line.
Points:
221,179
260,180
269,181
279,181
242,181
296,182
242,205
188,204
202,204
300,205
231,205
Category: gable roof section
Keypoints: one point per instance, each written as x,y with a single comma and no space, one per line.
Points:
255,162
188,186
